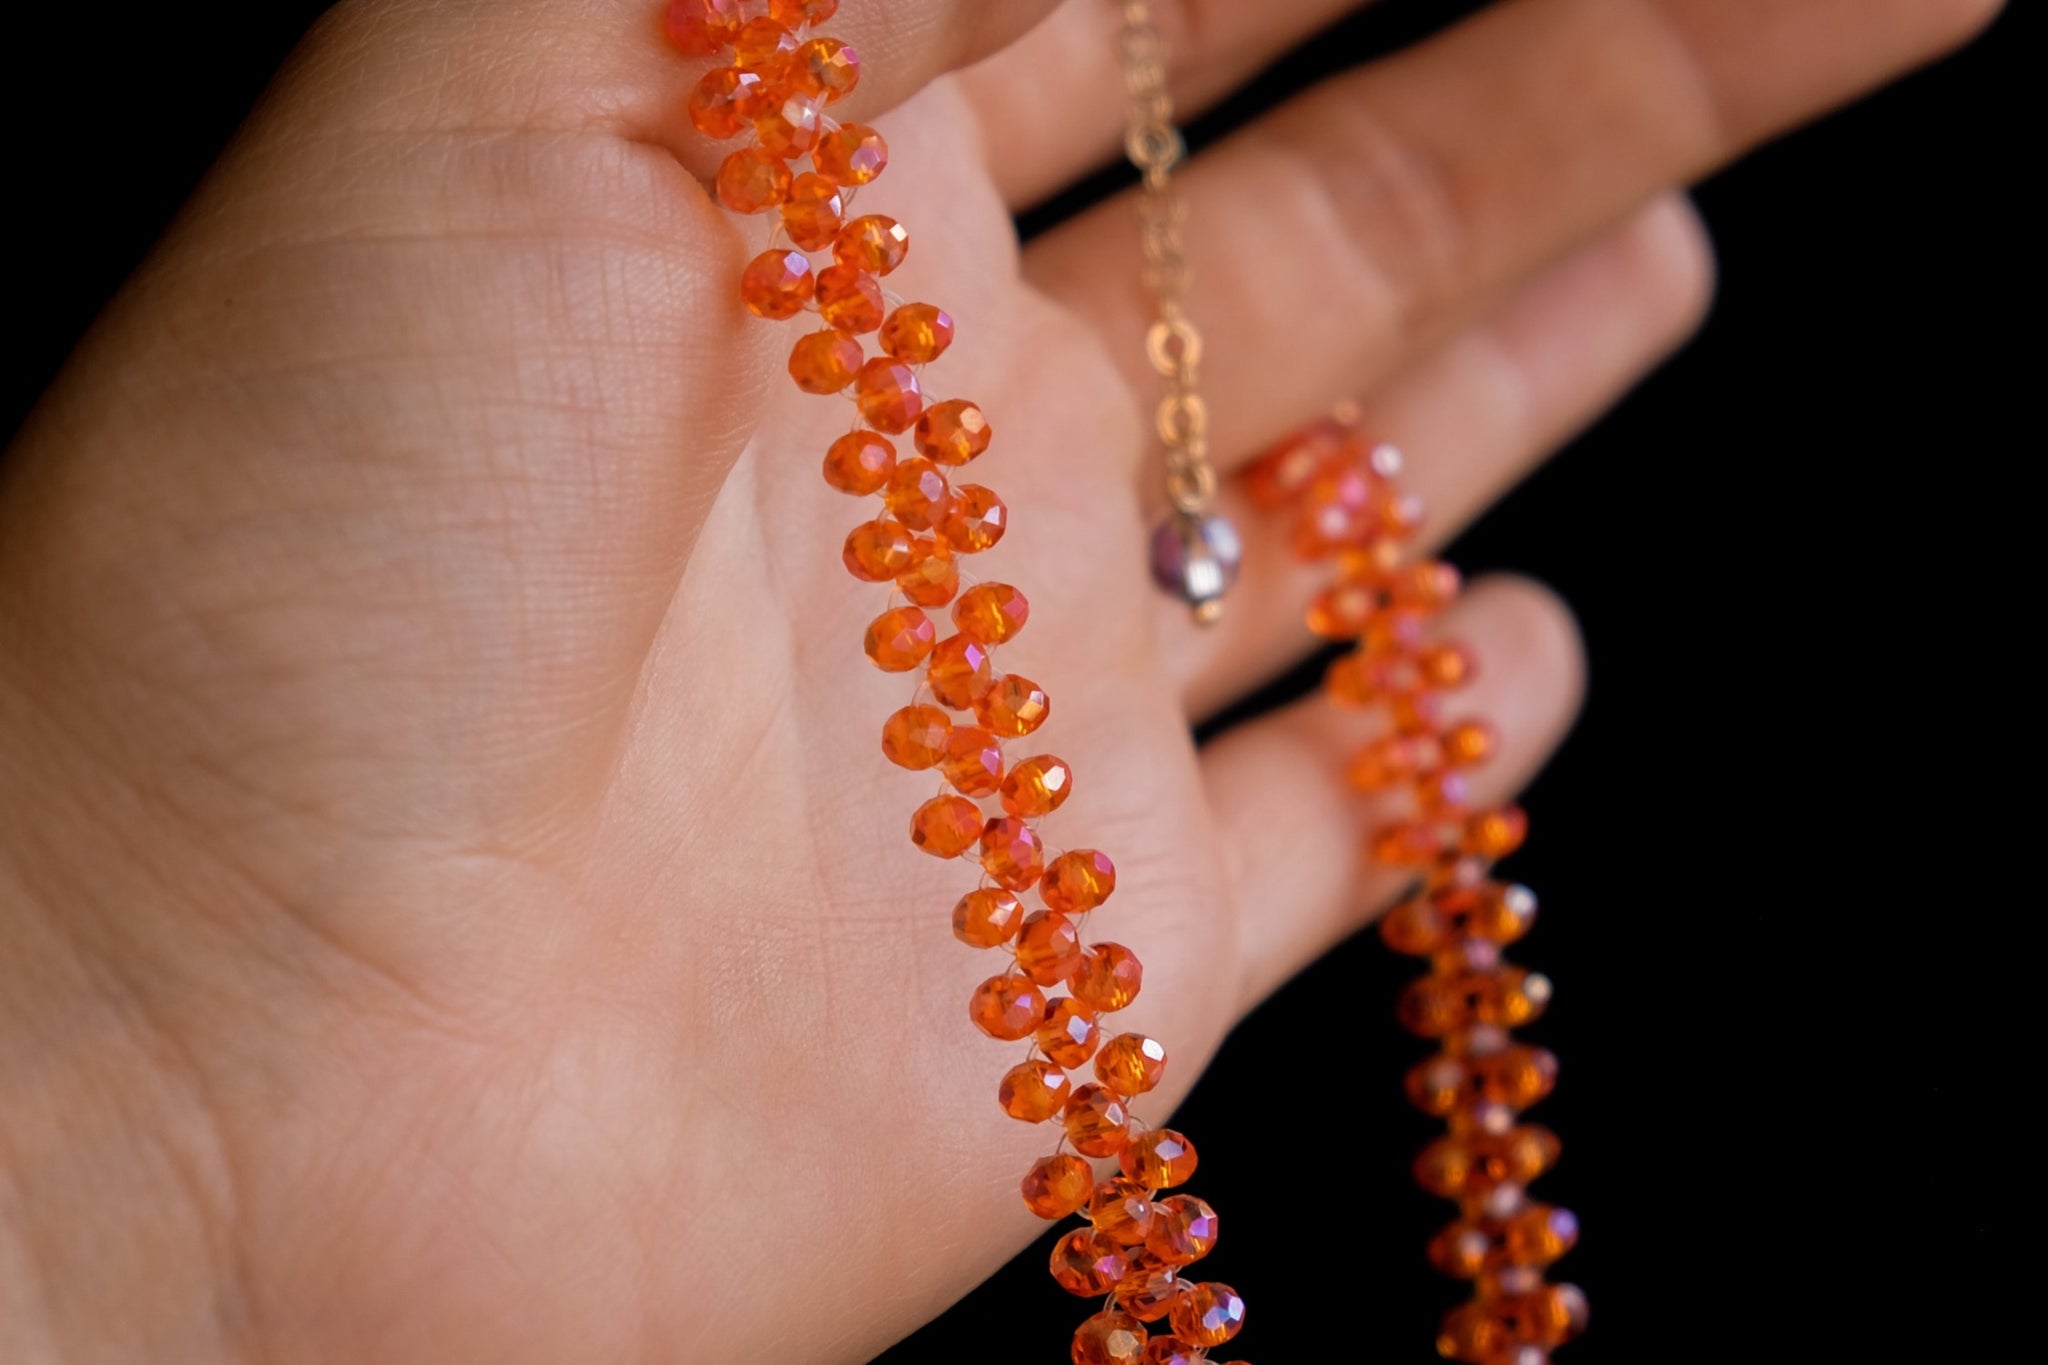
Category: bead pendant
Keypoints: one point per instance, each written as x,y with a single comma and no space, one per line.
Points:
1196,559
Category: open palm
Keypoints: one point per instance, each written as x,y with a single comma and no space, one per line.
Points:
447,808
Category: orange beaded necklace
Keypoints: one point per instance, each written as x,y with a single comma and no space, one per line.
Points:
1138,1243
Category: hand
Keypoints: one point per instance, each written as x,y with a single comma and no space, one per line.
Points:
456,907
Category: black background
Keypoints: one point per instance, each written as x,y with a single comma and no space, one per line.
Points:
1786,893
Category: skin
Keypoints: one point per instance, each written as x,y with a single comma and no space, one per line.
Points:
454,906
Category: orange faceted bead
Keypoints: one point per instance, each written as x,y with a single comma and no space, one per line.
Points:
973,761
1121,1210
763,43
777,284
1033,1091
1038,786
1539,1235
714,103
1011,853
952,432
1516,1077
1086,1263
1109,977
1056,1186
1507,1331
873,242
916,737
992,613
876,551
702,28
1109,1339
1013,707
1160,1159
1207,1315
1049,948
813,213
961,672
918,493
1097,1122
791,126
1007,1008
859,462
900,640
824,362
917,333
1148,1292
752,180
1068,1034
852,155
1408,843
946,826
1079,881
889,396
977,521
1469,743
797,14
1447,666
1450,1002
1130,1064
987,918
826,68
1183,1228
1450,1166
1172,1350
933,576
1496,833
849,299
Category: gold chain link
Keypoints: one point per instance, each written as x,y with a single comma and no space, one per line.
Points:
1173,344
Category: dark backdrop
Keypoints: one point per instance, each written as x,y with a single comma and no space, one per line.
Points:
1781,879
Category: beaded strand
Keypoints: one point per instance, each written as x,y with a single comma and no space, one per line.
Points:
1348,509
1136,1245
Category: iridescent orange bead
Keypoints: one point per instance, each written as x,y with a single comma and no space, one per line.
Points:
977,521
859,462
826,68
973,761
1343,610
1539,1235
762,43
987,918
1443,1003
849,300
777,284
934,574
961,671
1007,1008
753,181
800,14
1097,1122
1469,743
824,362
1049,948
889,396
873,242
946,826
876,551
1013,707
1503,1331
791,126
1108,978
1284,471
1148,1292
713,105
1011,853
1079,881
917,493
1496,833
1183,1228
1088,1264
1109,1339
1068,1035
1452,1165
952,432
1130,1064
1121,1210
1172,1350
1033,1091
1037,786
852,155
813,213
1056,1186
702,28
1159,1159
1447,666
917,333
1207,1315
1407,843
901,639
992,613
915,737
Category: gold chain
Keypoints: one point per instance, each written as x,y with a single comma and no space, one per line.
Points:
1175,347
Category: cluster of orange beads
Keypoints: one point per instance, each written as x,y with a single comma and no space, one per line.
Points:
1347,507
1032,903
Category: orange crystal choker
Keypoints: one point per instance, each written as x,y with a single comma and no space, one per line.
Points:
1137,1244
